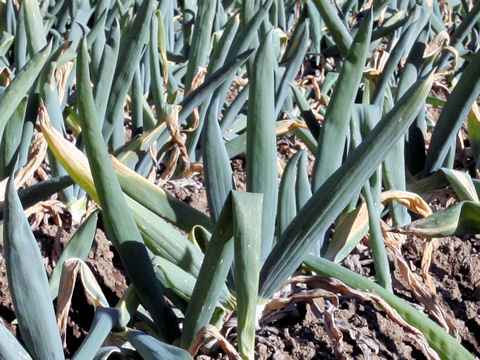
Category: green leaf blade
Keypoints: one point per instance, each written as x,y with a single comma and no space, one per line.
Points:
453,114
28,282
247,210
13,95
331,141
119,222
328,201
261,139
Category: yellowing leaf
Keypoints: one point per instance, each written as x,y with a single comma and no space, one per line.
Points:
74,161
408,199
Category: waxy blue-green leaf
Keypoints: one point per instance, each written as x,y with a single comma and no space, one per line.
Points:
462,183
445,345
295,59
167,9
159,236
10,347
474,134
217,59
335,26
394,178
16,91
460,32
418,20
6,42
231,226
415,139
366,119
28,128
216,163
119,222
152,349
244,39
261,155
393,23
28,283
316,25
156,73
106,71
41,191
221,76
307,114
453,114
34,26
219,53
234,109
200,46
378,6
10,17
164,240
287,206
200,237
97,46
238,143
188,9
178,280
303,190
327,202
247,225
331,142
20,43
82,10
377,243
103,321
212,276
110,352
130,52
131,153
11,138
136,104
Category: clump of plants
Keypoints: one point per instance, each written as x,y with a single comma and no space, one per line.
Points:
197,83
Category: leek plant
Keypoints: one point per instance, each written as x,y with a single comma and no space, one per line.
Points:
203,82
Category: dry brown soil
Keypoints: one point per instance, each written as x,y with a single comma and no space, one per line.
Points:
299,333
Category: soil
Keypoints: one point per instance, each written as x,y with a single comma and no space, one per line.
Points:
103,260
302,330
366,331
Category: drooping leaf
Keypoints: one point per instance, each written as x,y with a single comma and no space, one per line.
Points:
78,247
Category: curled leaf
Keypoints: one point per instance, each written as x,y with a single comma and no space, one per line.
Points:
73,268
408,199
